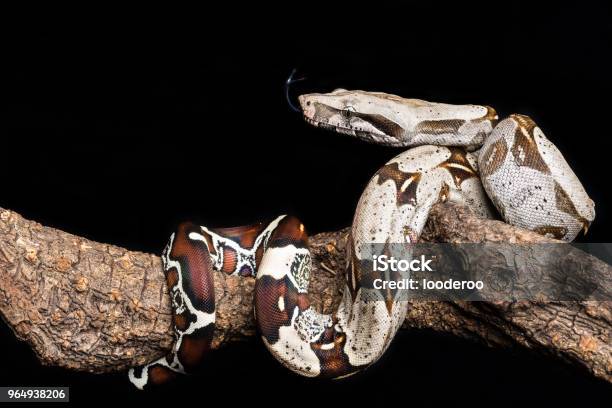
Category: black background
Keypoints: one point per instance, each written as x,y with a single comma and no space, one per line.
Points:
117,127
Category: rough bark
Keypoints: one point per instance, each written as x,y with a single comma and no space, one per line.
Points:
95,307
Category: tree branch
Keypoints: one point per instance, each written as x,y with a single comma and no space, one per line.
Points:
95,307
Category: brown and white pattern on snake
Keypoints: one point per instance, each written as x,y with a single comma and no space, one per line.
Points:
297,325
245,257
391,120
314,344
396,203
530,182
397,200
230,254
392,209
182,305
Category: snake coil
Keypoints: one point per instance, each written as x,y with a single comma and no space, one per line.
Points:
522,173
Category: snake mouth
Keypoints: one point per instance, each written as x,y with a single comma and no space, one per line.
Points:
365,135
353,131
326,125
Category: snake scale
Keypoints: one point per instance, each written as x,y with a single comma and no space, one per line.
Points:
516,168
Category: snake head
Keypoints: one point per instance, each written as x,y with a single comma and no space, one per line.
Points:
391,120
369,116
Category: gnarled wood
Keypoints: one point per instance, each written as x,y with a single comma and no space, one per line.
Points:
95,307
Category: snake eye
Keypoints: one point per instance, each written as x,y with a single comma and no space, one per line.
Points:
348,111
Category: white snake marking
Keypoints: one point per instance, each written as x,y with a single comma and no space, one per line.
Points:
518,168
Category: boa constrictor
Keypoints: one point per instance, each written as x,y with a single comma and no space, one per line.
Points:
523,173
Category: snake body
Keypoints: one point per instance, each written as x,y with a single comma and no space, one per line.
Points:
525,176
